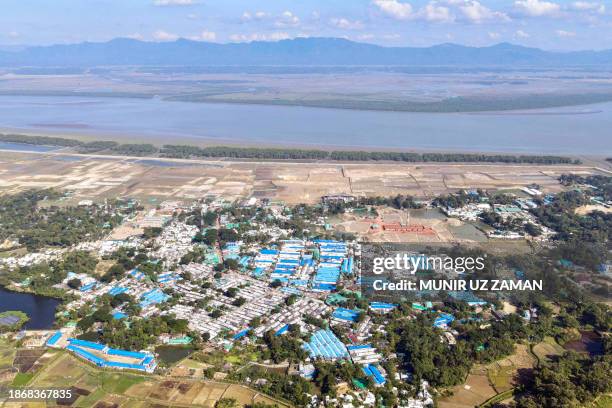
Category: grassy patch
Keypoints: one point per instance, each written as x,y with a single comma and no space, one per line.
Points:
547,349
7,353
498,398
22,379
189,363
605,401
91,399
13,252
501,377
119,383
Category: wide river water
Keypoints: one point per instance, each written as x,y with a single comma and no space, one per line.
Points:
577,130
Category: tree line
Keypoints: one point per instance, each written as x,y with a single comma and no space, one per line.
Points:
187,151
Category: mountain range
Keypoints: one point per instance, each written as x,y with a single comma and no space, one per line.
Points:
299,52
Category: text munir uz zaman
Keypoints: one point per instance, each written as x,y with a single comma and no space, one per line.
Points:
414,263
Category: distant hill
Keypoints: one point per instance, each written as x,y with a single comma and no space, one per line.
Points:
299,51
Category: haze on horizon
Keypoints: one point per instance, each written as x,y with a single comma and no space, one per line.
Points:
547,24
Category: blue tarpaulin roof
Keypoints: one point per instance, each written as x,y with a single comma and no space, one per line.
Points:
282,330
119,315
342,313
372,371
54,339
241,334
87,344
325,344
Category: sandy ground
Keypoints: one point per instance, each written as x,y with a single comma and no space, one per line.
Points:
586,209
439,228
97,177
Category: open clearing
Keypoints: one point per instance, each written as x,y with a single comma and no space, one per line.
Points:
548,349
98,177
484,382
422,226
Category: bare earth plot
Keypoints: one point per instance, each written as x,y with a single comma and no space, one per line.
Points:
437,228
97,177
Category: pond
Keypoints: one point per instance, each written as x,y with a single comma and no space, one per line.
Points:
173,354
590,342
40,309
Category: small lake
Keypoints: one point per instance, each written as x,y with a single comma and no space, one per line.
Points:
589,342
40,309
575,130
22,147
173,354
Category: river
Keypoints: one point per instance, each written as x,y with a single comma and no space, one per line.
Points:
40,309
575,130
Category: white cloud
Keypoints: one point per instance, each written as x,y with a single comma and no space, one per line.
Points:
435,13
258,15
536,8
287,19
135,36
391,36
346,24
395,9
161,35
522,34
193,16
565,34
12,34
477,13
315,15
365,37
589,6
277,36
494,36
173,2
208,36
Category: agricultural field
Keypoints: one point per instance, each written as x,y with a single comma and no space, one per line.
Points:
476,390
486,381
505,374
97,388
547,349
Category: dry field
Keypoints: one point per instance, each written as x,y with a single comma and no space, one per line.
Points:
98,177
586,209
484,382
444,229
474,392
548,350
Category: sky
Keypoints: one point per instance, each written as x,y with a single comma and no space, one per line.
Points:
547,24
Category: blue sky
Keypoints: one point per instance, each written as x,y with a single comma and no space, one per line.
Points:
548,24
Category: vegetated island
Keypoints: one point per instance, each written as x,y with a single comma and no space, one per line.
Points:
459,104
186,152
12,320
